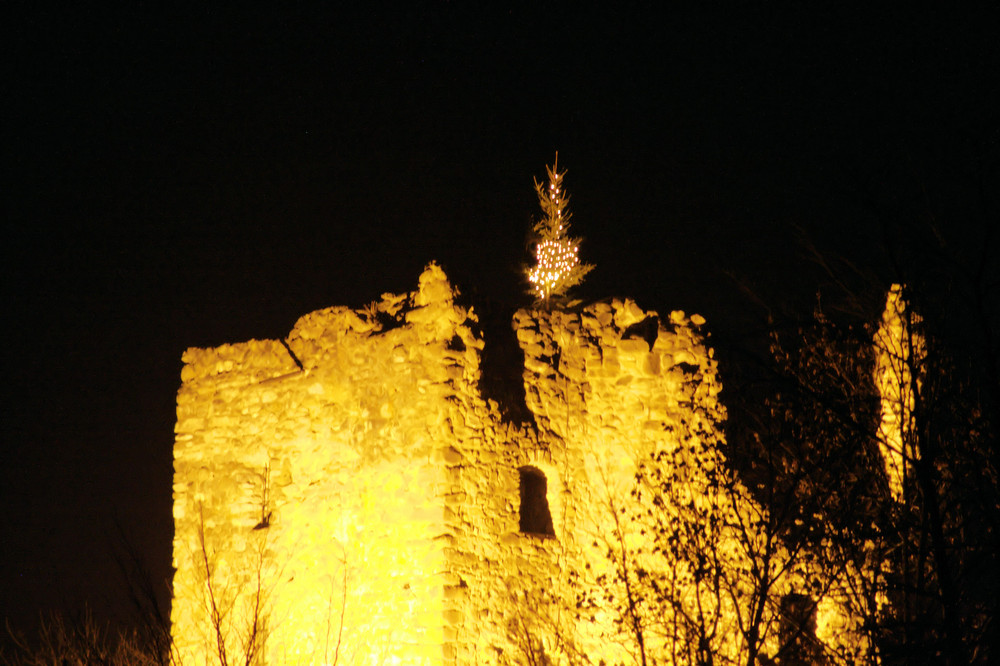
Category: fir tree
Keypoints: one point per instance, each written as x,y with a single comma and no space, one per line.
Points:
557,265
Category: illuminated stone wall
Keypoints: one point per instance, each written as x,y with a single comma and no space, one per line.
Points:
341,465
351,497
608,387
899,361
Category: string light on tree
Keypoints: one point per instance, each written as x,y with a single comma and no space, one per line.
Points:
558,265
556,260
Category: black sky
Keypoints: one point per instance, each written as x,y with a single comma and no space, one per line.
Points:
182,179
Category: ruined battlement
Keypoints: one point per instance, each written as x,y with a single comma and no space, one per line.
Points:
348,496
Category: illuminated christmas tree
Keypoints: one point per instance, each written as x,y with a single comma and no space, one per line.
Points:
557,258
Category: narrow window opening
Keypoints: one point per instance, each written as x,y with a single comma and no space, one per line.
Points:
535,516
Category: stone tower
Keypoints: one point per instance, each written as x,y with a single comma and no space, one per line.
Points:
347,495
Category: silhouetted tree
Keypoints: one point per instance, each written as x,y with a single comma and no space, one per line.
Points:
912,508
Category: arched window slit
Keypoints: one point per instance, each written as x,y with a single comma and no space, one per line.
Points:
535,515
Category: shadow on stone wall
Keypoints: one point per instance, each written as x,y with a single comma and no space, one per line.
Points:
502,360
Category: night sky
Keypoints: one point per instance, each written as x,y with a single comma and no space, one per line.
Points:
181,179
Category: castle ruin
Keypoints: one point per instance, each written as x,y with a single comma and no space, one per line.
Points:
348,496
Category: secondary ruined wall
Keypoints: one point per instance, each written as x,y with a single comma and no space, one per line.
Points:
363,508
